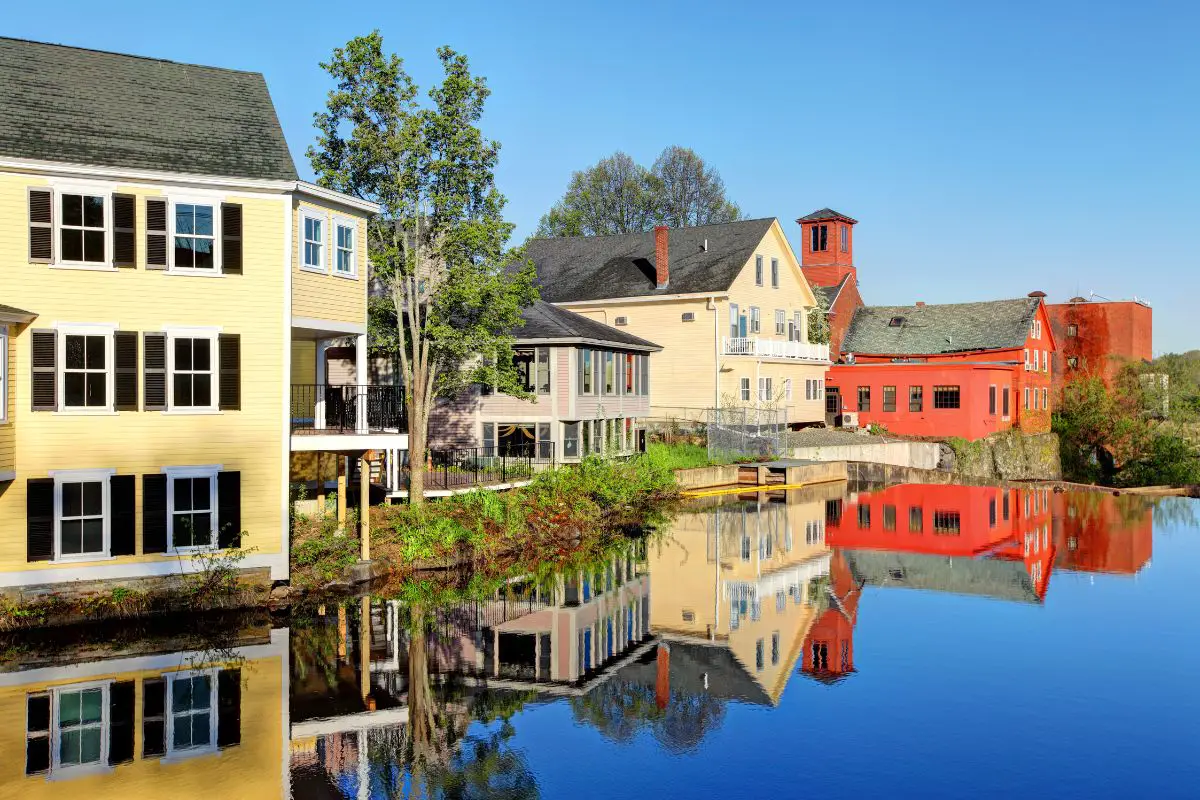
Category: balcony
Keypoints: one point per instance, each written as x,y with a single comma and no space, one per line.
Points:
333,417
775,348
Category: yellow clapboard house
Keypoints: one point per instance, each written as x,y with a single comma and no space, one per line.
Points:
168,288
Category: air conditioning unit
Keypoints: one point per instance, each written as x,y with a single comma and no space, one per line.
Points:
689,316
621,321
849,419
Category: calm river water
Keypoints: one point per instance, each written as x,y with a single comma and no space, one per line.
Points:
934,641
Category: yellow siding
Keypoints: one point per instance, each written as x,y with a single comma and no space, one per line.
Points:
250,440
249,769
304,361
327,296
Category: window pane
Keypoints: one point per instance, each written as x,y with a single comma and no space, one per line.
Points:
181,527
72,537
185,219
93,212
204,220
183,733
204,253
74,349
93,246
201,493
72,209
93,498
183,354
69,708
93,536
183,390
200,730
72,245
68,747
94,352
90,706
72,499
201,685
183,494
201,528
183,252
201,390
96,395
201,352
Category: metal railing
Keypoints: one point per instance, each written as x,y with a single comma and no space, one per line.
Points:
775,348
325,408
464,467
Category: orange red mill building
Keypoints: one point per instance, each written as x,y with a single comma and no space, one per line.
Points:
963,369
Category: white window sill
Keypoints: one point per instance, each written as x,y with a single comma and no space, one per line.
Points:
314,270
346,275
196,273
89,558
180,756
73,773
191,412
194,551
85,267
85,412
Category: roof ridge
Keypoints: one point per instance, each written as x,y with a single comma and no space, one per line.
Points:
128,55
651,231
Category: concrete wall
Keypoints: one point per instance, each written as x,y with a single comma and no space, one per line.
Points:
925,455
702,477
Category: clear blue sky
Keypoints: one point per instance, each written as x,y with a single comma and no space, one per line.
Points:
987,149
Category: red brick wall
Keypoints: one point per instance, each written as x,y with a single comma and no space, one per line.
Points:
1109,335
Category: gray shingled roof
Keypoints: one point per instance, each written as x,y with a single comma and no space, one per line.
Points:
575,268
72,105
1002,580
10,313
953,328
829,293
547,322
825,213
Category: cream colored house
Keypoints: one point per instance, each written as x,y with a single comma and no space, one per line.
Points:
163,275
727,303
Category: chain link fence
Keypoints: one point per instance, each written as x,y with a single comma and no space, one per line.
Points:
736,432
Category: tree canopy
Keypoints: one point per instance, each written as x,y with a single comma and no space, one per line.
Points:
618,195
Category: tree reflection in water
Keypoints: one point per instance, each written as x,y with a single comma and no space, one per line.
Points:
621,709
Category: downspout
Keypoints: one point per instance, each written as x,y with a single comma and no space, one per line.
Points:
712,306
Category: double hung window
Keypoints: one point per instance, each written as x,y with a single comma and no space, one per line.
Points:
86,360
344,263
195,237
314,243
82,229
82,520
192,500
192,721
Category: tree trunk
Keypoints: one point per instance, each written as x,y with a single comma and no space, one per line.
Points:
417,431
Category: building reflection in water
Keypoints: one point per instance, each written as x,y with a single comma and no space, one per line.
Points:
181,717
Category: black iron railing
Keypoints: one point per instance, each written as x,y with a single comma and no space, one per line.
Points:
324,408
482,466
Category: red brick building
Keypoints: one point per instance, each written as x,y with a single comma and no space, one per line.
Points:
1099,338
827,261
963,369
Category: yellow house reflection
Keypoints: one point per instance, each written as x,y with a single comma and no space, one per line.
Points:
187,724
747,574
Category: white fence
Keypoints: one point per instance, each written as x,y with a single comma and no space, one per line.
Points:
775,348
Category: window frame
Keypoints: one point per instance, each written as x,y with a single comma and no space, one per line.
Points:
1073,329
765,389
172,205
755,319
883,403
758,270
352,226
108,331
105,194
212,334
774,273
101,766
947,390
787,390
66,476
916,399
864,392
171,752
210,471
780,322
307,214
845,243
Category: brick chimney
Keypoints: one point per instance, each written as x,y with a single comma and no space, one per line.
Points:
662,272
920,304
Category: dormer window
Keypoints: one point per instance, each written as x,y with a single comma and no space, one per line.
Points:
820,238
896,322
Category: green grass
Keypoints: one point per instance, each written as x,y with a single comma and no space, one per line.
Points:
681,455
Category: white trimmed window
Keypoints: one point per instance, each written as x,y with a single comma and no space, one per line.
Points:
192,717
344,259
195,237
86,356
191,366
764,390
79,728
82,229
787,389
82,514
1045,361
780,322
3,373
313,242
192,507
745,389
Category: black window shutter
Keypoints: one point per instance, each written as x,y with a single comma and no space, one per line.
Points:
231,238
229,707
120,722
156,234
229,509
37,733
229,346
125,363
41,226
124,517
44,358
154,723
124,230
154,513
39,519
154,364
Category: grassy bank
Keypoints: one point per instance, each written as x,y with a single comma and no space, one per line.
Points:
565,513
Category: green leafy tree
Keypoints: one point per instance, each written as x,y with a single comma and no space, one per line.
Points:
449,290
818,321
617,195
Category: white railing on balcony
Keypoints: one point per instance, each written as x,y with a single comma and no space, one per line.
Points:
775,348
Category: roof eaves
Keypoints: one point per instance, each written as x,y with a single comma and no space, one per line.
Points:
16,316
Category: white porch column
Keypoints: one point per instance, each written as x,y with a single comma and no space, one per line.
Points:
319,400
361,379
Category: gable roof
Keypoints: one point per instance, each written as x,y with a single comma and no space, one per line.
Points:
826,213
576,268
68,104
545,322
932,329
14,314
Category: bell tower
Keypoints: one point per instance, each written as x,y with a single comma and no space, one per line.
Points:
827,247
